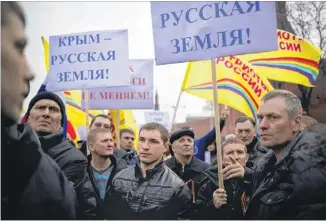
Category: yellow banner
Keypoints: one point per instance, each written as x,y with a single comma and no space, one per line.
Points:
296,61
239,86
127,121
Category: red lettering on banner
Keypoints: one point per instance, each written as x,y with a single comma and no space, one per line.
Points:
282,45
258,91
92,95
251,83
138,81
294,47
245,76
228,64
238,61
237,70
219,59
279,34
245,68
103,95
297,47
285,35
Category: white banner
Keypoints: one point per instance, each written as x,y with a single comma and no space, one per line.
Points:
137,96
162,118
89,60
192,31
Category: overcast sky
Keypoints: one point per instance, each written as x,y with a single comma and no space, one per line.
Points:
55,18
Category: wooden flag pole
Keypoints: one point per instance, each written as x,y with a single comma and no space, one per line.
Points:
86,110
87,116
175,110
117,129
217,126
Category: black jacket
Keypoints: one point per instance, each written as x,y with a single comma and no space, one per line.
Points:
72,163
118,165
162,195
236,190
191,171
32,185
294,187
255,152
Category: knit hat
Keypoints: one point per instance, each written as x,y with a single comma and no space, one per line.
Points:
184,131
50,96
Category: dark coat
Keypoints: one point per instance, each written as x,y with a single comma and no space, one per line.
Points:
162,195
118,165
191,171
71,161
255,152
33,186
236,190
292,188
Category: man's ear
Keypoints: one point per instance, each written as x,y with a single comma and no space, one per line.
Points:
297,123
90,147
167,147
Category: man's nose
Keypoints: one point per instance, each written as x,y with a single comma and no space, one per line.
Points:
263,124
46,112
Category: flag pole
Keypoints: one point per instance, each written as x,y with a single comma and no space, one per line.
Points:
86,110
175,110
118,128
87,116
217,126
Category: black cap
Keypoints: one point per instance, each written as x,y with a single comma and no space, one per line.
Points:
51,96
184,131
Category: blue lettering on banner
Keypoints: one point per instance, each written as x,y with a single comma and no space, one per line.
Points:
209,40
79,40
206,12
83,57
84,75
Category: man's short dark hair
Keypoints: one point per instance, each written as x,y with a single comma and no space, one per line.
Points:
126,131
244,119
100,115
14,7
156,126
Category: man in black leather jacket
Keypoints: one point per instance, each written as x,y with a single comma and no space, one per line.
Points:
148,190
290,180
45,114
32,185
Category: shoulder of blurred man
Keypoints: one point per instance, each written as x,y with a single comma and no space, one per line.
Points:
43,189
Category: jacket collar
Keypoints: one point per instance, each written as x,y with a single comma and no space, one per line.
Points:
149,173
48,141
252,145
111,157
194,164
294,145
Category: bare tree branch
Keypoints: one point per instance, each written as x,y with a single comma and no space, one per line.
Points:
307,20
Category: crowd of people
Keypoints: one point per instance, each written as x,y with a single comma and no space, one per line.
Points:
278,174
